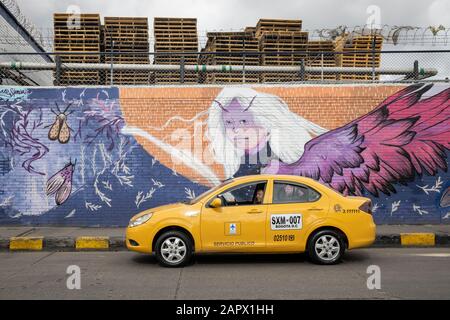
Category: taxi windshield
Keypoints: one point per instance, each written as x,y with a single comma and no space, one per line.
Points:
210,191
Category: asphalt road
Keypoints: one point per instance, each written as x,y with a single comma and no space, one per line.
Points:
405,273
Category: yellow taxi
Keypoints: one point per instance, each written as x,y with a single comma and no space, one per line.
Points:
256,214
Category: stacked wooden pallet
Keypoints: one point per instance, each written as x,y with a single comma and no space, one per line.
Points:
277,25
353,57
277,36
321,54
230,49
172,36
77,35
251,30
126,34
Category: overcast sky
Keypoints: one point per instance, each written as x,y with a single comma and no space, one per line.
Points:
236,14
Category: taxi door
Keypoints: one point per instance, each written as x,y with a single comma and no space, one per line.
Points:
239,224
293,208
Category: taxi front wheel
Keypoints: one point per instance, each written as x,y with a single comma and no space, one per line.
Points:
326,247
173,249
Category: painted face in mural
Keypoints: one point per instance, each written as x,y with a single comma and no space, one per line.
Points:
241,127
246,121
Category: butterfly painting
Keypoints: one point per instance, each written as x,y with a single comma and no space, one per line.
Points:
60,184
60,130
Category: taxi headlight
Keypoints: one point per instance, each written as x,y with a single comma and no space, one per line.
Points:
141,220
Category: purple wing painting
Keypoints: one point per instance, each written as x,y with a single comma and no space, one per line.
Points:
403,137
60,184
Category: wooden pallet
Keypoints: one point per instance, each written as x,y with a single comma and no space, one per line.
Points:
225,43
352,57
279,77
129,78
174,26
321,53
230,77
175,35
359,77
126,33
251,30
174,60
84,38
275,37
318,77
231,41
282,40
174,77
79,77
277,25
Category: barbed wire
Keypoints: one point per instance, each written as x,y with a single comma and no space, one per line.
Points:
393,35
32,29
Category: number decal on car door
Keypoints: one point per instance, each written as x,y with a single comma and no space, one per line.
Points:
286,221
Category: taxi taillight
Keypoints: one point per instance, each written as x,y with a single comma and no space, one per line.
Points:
366,207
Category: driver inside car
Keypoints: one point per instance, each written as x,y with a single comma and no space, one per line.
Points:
259,197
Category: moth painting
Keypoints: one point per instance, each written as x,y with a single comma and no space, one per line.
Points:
60,130
60,184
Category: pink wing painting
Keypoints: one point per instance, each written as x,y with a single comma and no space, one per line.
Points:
61,183
403,137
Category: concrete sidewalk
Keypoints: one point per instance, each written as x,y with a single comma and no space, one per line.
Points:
77,238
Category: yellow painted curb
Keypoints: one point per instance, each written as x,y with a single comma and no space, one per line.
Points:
92,243
26,243
417,239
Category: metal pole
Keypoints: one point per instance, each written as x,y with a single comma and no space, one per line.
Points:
111,81
182,69
321,66
416,70
373,57
243,69
243,62
302,70
58,70
423,72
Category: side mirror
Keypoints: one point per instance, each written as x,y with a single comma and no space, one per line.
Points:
216,203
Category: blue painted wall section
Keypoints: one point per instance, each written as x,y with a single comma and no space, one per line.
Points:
112,178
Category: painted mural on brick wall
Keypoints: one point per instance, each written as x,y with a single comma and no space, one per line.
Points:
97,156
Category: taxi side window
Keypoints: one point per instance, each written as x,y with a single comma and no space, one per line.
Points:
248,194
289,192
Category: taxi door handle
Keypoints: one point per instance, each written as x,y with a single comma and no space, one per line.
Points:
253,211
315,209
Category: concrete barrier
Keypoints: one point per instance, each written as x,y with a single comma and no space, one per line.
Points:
102,243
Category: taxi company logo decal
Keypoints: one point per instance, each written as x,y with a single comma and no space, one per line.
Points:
286,221
232,228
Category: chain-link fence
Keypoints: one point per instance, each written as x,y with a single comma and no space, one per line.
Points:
191,68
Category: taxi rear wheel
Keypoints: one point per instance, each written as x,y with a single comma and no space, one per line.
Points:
326,247
173,249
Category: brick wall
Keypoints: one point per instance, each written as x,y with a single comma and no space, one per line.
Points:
96,156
